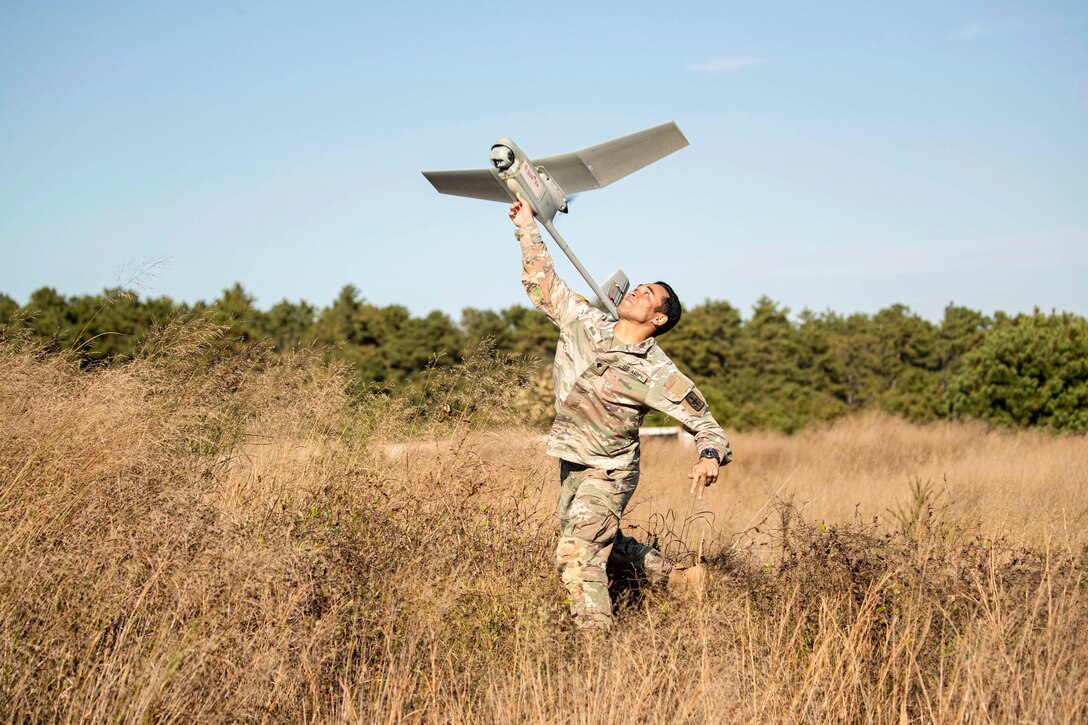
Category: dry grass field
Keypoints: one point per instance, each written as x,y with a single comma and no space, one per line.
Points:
1024,487
201,536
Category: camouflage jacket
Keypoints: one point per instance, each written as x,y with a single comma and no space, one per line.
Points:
604,387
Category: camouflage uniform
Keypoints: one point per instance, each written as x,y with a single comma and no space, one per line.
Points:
603,390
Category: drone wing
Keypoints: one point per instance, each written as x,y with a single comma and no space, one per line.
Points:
600,165
590,168
475,183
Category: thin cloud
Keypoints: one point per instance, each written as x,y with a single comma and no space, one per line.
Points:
971,31
715,65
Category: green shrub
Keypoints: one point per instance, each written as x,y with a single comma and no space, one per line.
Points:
1029,370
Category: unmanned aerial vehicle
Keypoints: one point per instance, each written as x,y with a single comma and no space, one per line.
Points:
545,183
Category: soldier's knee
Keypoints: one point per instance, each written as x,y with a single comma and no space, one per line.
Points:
571,552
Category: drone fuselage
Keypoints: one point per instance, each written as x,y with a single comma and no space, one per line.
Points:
515,172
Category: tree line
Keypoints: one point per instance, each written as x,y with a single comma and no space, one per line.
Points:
767,369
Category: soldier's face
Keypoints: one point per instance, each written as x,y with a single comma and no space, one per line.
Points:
641,304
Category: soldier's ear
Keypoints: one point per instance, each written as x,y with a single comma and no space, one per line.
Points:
659,320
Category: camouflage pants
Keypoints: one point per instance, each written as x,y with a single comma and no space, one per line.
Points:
591,503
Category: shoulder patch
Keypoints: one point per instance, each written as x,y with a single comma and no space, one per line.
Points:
679,389
694,402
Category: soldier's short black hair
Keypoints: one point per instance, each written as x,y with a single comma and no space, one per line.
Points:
670,307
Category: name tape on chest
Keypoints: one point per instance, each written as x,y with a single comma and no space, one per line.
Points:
633,372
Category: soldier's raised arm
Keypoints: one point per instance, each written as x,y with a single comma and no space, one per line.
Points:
546,290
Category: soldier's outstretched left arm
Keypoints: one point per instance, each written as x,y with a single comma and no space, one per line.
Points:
675,395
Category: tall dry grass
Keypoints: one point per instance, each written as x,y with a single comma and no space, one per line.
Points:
1025,487
195,535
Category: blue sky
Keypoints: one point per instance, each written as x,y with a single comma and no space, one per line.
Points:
843,157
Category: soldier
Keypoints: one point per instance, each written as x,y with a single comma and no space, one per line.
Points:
607,376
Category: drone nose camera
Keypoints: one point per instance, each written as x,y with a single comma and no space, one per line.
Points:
502,157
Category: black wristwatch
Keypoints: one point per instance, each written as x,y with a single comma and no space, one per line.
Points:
711,453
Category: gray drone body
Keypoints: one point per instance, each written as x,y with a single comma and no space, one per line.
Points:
545,183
